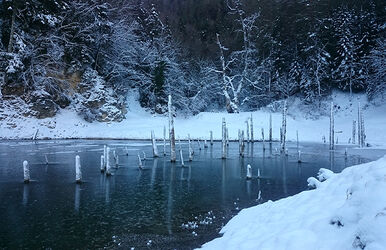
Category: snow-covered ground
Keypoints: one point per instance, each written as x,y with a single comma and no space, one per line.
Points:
139,123
347,211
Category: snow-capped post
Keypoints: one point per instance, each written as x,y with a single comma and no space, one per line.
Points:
252,137
284,126
102,164
154,143
258,173
332,134
164,140
205,144
78,170
211,137
299,156
353,131
223,148
116,161
270,127
190,149
262,138
359,125
108,166
140,162
104,155
45,156
26,172
172,137
249,172
247,131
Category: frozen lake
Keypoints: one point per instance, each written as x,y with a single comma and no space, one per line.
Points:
174,207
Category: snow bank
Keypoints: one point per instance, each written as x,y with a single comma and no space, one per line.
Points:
346,211
139,123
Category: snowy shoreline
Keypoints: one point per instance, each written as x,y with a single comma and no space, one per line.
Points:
346,211
139,123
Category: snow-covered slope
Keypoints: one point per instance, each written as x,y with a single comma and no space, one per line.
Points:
139,123
347,211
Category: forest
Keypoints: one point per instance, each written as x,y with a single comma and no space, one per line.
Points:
233,55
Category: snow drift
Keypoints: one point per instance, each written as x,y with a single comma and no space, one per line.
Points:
346,211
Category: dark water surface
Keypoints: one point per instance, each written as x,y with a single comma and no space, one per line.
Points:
164,206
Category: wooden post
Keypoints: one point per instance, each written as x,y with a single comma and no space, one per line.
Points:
353,131
242,144
102,164
171,131
224,156
299,157
211,137
154,144
26,172
262,137
227,137
164,141
252,136
363,134
284,126
332,133
78,170
182,158
239,142
190,149
247,131
270,127
359,125
140,162
199,144
108,166
205,144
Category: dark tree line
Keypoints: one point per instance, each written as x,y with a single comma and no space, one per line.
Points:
209,54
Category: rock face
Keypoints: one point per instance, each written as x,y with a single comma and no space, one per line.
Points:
96,101
42,104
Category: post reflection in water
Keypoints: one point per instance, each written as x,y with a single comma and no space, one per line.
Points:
169,209
123,204
284,172
107,189
25,194
332,160
153,171
223,180
248,183
77,197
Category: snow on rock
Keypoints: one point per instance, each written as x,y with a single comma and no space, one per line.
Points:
313,182
324,174
347,211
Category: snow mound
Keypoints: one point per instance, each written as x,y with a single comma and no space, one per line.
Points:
346,211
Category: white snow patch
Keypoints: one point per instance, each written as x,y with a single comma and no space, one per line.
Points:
347,211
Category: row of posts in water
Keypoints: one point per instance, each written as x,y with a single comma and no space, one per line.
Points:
105,158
